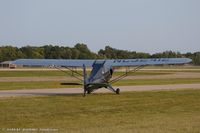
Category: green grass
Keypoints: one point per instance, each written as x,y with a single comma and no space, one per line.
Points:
31,73
34,85
48,73
157,81
57,84
143,112
59,73
142,73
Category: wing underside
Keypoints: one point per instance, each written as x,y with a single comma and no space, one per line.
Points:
143,62
89,63
53,62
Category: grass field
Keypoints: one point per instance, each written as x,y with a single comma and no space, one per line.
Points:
50,73
41,73
131,112
57,84
143,112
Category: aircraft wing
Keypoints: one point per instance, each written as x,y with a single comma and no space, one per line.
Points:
54,62
152,61
89,63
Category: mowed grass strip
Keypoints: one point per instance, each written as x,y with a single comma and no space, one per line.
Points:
144,112
58,84
34,85
157,81
31,73
59,73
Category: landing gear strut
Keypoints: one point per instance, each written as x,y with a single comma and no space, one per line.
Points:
117,91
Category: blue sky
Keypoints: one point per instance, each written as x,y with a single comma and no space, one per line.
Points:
137,25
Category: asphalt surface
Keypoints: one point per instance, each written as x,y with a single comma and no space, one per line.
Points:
79,91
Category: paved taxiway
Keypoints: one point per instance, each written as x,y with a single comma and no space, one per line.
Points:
73,91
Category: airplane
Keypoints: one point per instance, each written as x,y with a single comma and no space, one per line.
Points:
102,70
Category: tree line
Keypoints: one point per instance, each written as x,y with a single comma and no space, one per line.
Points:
81,51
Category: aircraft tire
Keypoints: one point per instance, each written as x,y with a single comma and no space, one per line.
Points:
117,91
88,92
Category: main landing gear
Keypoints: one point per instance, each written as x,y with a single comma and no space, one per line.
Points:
117,91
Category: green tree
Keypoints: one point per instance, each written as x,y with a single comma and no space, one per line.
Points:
8,53
196,58
33,52
167,54
84,52
112,53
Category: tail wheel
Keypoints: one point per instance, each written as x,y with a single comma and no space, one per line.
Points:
117,91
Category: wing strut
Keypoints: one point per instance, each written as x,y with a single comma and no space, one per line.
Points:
72,72
126,74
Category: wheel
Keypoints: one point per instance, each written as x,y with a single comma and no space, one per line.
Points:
117,91
88,92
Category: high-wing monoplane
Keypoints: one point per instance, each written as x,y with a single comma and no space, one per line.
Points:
102,70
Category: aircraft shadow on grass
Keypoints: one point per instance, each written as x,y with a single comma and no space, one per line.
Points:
53,94
71,84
